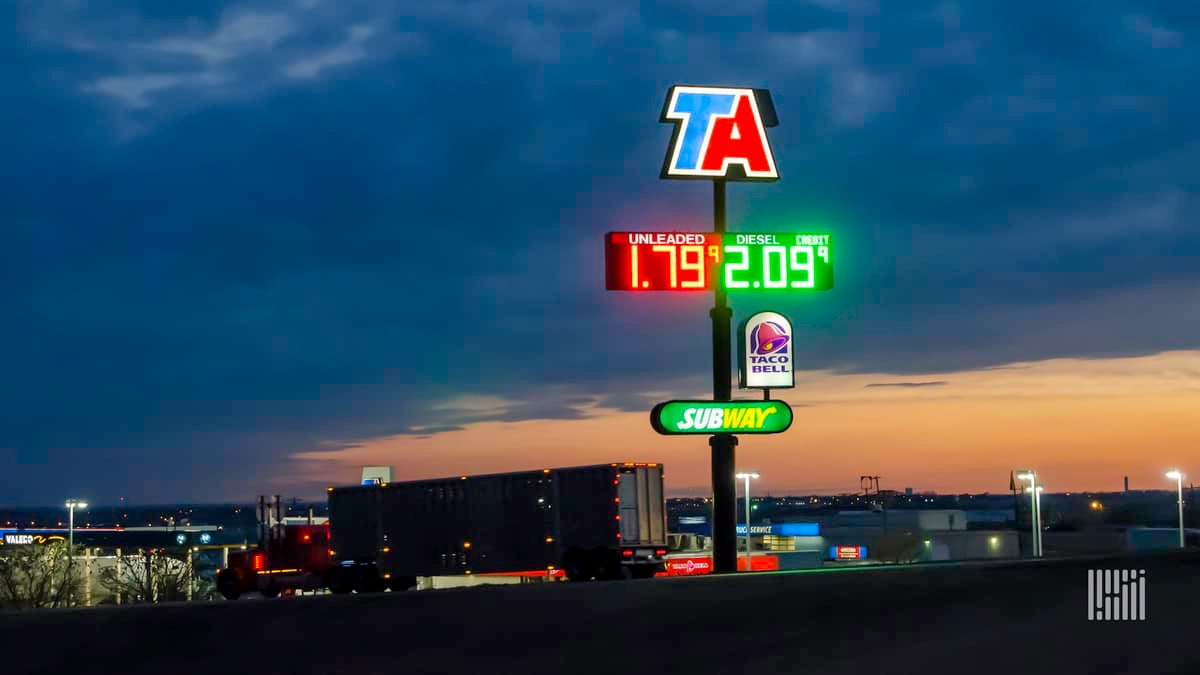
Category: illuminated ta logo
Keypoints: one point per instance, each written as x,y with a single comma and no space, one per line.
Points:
719,133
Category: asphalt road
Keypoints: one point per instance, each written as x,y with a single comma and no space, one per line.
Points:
996,618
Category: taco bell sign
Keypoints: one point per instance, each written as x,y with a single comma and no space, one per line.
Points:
765,352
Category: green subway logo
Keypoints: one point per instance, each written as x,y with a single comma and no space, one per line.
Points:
721,417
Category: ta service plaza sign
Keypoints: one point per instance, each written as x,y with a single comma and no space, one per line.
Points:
720,134
721,417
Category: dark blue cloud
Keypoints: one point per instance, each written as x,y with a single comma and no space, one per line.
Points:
236,231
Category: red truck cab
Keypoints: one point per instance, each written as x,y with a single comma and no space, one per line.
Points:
296,557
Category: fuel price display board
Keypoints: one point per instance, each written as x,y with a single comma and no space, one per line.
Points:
699,261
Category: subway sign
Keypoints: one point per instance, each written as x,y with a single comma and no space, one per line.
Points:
721,417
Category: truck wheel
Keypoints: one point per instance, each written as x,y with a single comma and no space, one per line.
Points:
398,584
270,590
339,581
367,580
227,585
576,566
646,571
607,565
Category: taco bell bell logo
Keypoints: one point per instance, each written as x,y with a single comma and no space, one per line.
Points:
765,352
768,338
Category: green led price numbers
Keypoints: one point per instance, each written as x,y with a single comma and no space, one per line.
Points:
777,262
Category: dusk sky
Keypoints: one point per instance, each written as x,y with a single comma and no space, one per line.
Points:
248,247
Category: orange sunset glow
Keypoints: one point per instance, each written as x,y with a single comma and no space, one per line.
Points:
1084,424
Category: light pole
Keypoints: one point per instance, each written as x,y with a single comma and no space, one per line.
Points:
72,504
746,476
1037,495
1036,517
1178,476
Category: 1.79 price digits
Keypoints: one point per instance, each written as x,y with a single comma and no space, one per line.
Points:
682,262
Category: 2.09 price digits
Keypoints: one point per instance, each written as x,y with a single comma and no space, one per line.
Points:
776,263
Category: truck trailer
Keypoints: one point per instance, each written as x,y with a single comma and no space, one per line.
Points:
606,521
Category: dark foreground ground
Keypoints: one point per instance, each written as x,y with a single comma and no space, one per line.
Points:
1010,618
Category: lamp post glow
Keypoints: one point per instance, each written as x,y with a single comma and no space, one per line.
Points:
1037,496
1035,503
1178,476
72,504
746,478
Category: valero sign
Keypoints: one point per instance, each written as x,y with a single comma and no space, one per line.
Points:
765,352
721,417
24,539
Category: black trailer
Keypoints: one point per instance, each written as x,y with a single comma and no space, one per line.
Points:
606,521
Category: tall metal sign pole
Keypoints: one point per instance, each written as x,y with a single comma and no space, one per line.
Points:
724,525
720,134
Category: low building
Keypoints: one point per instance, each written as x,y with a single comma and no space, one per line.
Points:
858,536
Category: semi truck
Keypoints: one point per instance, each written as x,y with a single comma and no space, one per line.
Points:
290,557
605,521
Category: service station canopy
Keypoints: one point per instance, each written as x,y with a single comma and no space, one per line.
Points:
721,417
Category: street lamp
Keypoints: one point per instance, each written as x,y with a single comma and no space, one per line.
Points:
1037,494
1035,503
72,504
1178,476
746,476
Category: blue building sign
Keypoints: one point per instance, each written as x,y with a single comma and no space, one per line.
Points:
772,529
781,530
